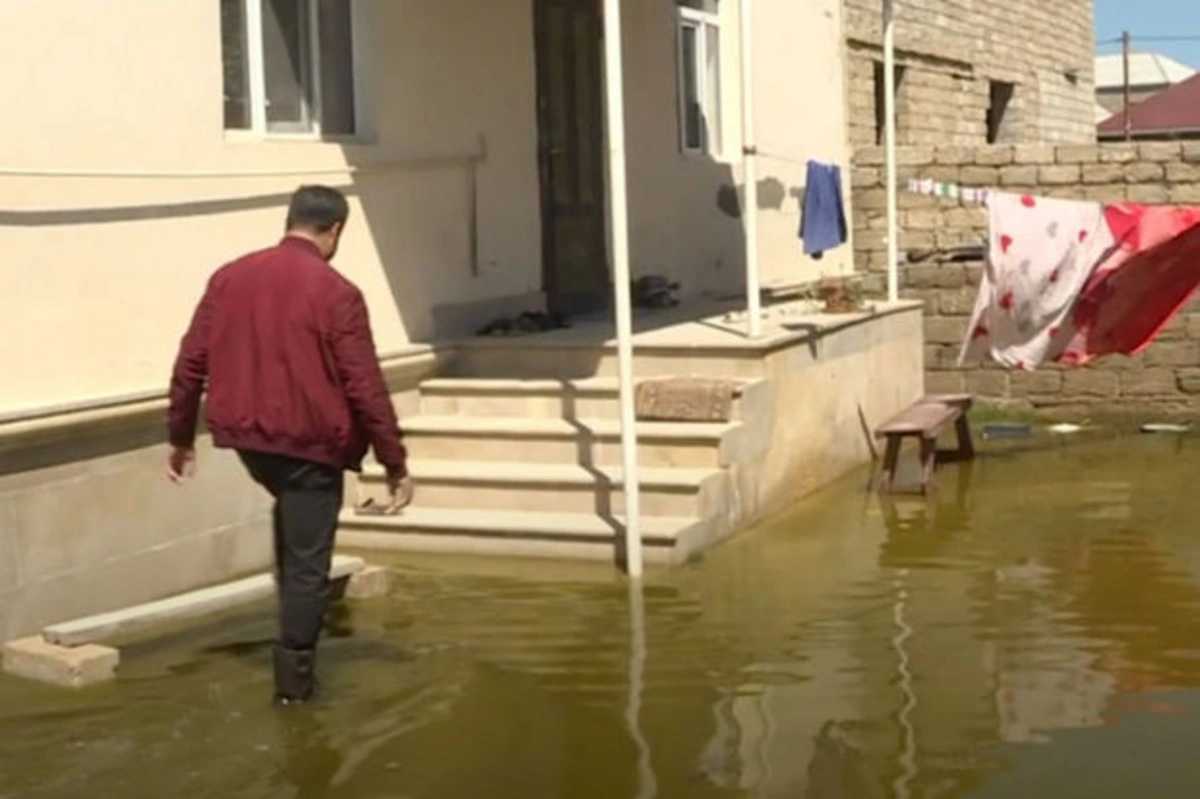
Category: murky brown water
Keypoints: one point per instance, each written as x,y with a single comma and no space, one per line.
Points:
1033,633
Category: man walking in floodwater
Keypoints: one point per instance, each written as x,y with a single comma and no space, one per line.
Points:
282,345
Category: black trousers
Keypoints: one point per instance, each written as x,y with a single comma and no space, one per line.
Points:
308,498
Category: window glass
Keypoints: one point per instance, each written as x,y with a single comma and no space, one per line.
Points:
336,37
287,64
235,63
693,136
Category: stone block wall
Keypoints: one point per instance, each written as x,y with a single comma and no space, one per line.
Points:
950,51
1165,379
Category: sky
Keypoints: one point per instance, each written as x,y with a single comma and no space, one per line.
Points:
1151,18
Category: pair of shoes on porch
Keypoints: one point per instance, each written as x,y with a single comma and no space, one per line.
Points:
524,324
295,675
654,291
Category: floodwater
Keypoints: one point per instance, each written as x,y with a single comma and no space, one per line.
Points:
1033,632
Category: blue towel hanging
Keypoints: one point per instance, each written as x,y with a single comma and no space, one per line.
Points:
823,218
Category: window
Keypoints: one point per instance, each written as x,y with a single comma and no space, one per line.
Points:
880,104
288,66
699,46
1000,96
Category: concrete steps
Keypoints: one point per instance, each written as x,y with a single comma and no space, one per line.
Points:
588,442
591,398
512,533
594,398
532,467
555,488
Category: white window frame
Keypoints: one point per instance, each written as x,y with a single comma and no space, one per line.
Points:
256,79
700,21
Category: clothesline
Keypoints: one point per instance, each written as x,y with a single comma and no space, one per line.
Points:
950,191
973,195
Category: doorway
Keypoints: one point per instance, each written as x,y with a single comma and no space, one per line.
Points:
568,39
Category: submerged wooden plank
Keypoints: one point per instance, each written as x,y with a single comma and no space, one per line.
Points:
103,626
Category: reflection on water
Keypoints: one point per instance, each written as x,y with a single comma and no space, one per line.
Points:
1033,631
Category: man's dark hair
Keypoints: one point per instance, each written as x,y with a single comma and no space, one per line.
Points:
317,208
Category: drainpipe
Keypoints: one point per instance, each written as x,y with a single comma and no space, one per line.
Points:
889,127
750,173
618,231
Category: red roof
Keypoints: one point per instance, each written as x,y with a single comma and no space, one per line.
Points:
1173,110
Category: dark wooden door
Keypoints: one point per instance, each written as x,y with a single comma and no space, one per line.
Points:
571,154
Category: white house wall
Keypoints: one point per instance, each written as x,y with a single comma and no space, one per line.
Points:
800,114
677,226
101,274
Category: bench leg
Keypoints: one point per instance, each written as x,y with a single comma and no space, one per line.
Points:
966,448
891,456
928,463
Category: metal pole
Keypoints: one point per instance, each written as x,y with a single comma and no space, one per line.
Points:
618,230
750,174
889,127
1126,41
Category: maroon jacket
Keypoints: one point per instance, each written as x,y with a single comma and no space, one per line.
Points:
282,344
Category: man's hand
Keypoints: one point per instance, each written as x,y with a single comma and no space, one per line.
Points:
181,464
400,493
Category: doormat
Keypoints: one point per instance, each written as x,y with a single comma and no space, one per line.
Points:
685,399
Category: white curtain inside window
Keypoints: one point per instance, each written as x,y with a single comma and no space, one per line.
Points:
693,117
712,88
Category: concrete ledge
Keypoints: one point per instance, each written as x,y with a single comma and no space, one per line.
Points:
72,667
67,654
695,331
183,606
56,423
369,582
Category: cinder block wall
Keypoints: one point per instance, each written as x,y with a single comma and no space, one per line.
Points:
949,51
1165,379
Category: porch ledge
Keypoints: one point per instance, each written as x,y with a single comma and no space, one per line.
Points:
676,330
48,424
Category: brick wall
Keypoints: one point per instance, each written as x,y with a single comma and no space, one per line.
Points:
951,49
1165,378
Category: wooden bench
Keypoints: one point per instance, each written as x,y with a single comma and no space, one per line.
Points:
925,420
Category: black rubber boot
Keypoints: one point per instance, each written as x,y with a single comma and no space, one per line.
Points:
295,681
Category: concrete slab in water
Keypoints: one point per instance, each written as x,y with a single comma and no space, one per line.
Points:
184,606
369,583
72,667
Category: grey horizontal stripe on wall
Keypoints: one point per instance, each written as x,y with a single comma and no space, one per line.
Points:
132,213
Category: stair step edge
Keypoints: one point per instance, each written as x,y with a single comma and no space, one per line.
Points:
527,524
534,473
505,425
589,385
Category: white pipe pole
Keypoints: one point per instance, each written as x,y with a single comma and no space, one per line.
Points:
750,173
889,127
618,230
